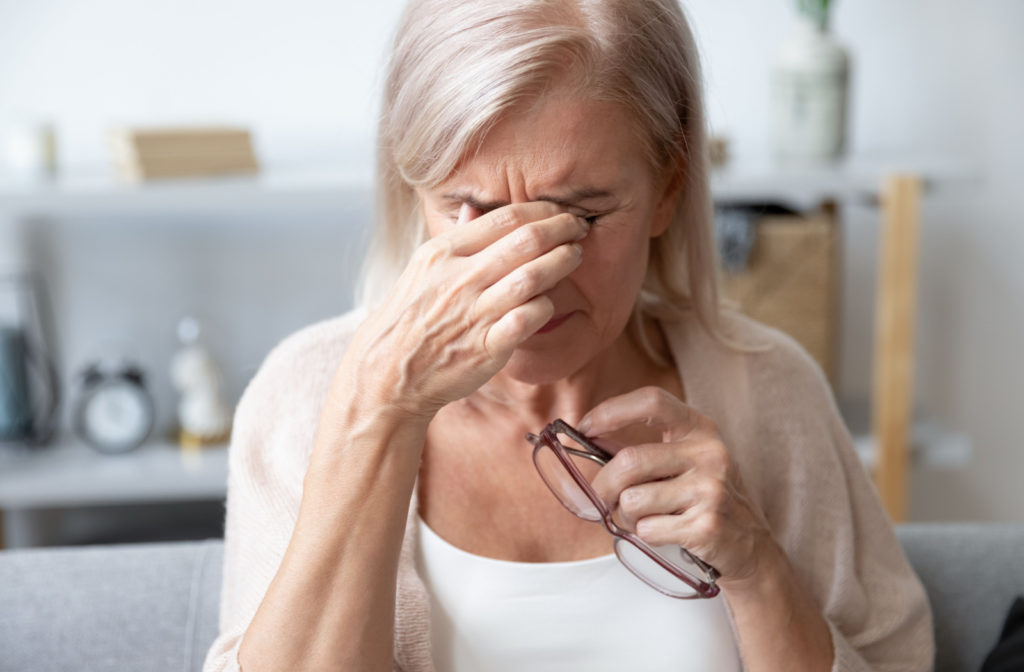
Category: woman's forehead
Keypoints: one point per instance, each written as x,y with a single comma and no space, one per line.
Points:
559,147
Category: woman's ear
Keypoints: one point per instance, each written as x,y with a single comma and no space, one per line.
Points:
670,186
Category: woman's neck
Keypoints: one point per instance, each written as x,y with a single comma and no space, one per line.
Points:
621,367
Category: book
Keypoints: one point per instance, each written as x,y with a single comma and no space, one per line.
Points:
167,152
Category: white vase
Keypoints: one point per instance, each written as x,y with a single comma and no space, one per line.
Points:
809,96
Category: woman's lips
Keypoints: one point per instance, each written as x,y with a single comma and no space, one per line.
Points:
554,323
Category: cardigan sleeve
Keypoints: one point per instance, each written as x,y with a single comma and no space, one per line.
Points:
263,495
825,512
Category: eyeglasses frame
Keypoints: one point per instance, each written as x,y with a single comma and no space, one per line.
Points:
548,438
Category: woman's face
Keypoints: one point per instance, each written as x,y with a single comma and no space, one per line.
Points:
584,156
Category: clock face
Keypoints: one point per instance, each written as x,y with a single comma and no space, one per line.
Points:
117,415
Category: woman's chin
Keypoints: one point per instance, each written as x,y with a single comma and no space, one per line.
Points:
538,367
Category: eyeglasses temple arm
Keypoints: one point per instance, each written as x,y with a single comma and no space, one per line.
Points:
560,425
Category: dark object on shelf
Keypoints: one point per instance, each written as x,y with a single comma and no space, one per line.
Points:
1008,655
734,234
114,411
29,384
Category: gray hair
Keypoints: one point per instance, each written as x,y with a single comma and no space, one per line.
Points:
457,67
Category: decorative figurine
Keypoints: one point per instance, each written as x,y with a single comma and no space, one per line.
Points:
203,416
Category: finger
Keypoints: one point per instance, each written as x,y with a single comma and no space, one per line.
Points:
494,225
652,406
516,326
642,463
467,213
530,280
663,529
527,243
698,529
665,497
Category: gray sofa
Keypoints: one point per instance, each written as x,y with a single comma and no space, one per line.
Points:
154,606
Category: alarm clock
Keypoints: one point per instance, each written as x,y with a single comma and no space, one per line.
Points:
114,410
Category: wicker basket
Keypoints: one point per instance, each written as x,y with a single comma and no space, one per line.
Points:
791,282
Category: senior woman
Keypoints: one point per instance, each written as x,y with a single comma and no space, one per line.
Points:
544,253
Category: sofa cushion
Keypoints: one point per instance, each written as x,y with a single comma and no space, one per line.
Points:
972,574
155,606
121,607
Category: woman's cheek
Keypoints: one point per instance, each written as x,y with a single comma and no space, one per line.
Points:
613,269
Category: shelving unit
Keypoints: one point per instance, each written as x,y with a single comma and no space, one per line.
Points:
35,484
897,188
70,475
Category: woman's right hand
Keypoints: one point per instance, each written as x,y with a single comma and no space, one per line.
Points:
468,297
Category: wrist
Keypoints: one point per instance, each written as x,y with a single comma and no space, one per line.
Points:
359,438
769,577
776,615
372,389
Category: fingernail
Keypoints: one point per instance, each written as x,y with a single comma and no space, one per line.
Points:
465,212
584,425
579,249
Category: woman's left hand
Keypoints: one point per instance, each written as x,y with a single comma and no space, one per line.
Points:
685,490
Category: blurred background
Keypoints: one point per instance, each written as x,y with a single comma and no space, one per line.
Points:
182,184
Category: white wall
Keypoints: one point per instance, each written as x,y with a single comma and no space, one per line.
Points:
930,78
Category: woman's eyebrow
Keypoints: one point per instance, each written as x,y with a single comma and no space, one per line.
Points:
573,197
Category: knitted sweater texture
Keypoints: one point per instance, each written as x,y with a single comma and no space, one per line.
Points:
775,412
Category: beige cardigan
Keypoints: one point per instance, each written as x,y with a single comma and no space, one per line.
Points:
776,414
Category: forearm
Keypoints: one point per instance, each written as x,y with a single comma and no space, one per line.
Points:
331,603
778,624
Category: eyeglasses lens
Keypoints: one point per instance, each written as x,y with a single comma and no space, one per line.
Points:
650,571
561,482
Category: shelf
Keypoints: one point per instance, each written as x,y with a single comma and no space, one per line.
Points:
332,189
73,474
931,446
855,179
277,193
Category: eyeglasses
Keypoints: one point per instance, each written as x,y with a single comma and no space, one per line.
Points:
669,569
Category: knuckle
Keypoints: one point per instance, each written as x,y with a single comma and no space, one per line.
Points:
653,397
526,282
710,425
712,492
631,458
630,499
718,456
527,240
568,220
707,526
506,218
517,322
433,251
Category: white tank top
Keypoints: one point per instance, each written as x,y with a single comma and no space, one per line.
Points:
594,615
